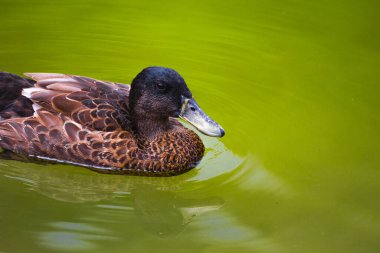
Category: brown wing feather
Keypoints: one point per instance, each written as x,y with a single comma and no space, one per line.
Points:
53,135
95,104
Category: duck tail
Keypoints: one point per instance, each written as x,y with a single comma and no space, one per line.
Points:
12,103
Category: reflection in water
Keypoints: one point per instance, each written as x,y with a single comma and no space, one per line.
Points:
160,211
165,213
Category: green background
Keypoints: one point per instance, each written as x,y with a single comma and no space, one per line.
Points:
294,83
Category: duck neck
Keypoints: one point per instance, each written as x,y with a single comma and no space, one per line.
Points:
150,126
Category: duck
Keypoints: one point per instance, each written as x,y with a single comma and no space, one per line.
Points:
106,126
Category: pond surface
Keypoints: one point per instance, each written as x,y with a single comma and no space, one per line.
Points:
295,84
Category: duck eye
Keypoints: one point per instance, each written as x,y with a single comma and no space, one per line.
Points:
161,86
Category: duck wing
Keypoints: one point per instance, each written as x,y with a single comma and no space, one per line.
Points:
96,105
53,136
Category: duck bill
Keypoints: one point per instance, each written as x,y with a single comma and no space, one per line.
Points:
192,113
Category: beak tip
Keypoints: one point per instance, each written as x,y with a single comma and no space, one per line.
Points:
222,133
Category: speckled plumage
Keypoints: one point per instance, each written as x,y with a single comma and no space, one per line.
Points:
88,122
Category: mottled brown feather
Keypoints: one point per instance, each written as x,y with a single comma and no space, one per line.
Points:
79,97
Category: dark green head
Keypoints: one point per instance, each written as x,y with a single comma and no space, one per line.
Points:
158,93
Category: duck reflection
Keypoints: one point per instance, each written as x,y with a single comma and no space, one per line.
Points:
165,213
156,203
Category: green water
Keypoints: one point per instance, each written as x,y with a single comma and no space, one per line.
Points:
295,84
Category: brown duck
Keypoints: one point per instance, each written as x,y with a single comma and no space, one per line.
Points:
109,127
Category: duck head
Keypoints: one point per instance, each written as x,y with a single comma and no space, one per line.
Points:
158,93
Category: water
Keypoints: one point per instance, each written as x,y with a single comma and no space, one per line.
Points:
295,84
